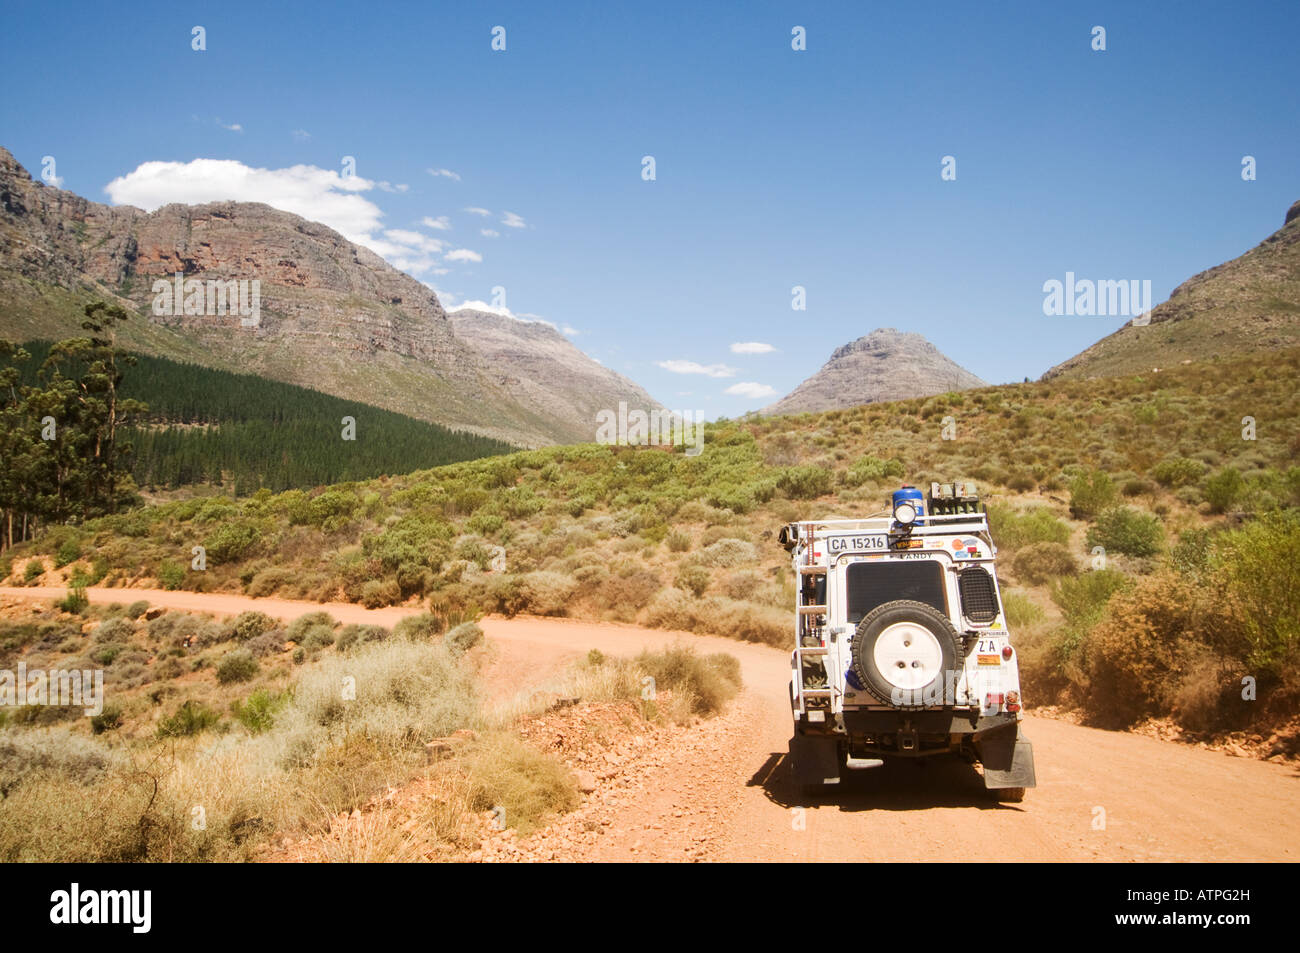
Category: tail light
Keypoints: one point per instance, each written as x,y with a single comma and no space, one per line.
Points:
1006,653
993,700
1013,701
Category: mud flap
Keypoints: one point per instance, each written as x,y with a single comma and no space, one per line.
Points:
1008,760
814,761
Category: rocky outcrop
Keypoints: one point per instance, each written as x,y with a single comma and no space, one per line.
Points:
334,316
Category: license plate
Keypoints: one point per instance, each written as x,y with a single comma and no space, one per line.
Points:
990,660
841,544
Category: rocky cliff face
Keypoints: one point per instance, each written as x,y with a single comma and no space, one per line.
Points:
333,315
1251,303
884,365
539,367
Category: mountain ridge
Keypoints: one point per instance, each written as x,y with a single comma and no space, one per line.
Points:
885,364
334,316
1248,303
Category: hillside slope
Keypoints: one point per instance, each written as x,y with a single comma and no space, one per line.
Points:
334,316
884,365
1243,306
539,367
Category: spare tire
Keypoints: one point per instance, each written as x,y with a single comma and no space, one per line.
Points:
902,652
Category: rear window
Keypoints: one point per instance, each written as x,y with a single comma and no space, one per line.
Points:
873,584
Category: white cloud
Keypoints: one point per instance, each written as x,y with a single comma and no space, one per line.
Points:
751,390
320,195
512,220
476,305
475,210
442,223
751,347
489,233
302,135
445,173
230,127
570,331
690,367
414,239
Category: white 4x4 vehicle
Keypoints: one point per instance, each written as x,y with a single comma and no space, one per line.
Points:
901,645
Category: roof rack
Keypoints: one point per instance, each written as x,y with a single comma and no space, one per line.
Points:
934,522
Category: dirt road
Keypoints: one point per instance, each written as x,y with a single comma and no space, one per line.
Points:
1102,796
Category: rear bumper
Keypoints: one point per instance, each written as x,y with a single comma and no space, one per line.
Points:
947,721
912,734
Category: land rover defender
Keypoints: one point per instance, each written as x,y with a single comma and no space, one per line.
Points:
901,644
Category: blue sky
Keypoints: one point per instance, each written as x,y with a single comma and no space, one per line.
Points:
774,168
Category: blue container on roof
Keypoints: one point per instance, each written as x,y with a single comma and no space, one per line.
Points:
909,494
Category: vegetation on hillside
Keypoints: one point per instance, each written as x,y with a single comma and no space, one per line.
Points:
243,432
1127,466
279,749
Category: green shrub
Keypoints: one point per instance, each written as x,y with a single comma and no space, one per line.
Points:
98,570
727,553
1136,661
1021,482
419,628
137,609
190,719
107,720
171,575
1090,493
232,541
1083,598
1191,556
464,637
351,635
377,593
1123,529
237,666
1038,563
248,625
269,581
68,552
1224,489
300,626
678,541
33,570
871,469
75,601
1259,566
805,482
545,593
1177,471
106,653
693,578
1012,529
257,712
